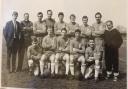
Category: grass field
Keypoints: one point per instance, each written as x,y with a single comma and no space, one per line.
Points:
23,80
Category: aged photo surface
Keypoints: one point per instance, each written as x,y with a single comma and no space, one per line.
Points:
63,44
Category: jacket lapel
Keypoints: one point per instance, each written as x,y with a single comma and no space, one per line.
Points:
12,25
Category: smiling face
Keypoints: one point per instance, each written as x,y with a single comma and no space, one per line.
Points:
49,14
40,16
72,19
14,16
61,17
91,43
77,35
26,17
85,21
109,25
63,33
98,18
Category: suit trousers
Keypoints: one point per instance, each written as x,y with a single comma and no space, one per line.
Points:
111,59
21,53
11,55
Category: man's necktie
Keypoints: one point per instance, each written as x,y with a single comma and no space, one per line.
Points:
15,29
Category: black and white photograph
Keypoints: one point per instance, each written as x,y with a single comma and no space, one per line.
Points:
63,44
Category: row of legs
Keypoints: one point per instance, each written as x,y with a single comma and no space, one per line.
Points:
69,62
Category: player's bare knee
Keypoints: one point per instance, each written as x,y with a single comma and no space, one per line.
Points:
82,60
97,67
97,62
42,60
52,58
71,59
57,57
30,62
67,58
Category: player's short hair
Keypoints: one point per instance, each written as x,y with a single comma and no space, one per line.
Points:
48,11
14,13
60,13
39,13
34,39
78,30
72,15
85,17
44,21
98,13
109,21
91,38
63,29
26,14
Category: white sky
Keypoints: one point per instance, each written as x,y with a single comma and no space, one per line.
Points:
111,9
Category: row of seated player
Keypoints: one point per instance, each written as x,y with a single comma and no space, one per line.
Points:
68,52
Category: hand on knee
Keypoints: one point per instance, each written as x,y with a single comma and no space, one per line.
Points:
56,60
71,61
83,61
43,58
57,57
97,62
52,58
97,67
66,57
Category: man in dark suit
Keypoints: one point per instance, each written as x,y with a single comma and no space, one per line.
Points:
12,36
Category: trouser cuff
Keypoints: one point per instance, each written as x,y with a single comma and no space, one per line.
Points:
109,72
116,74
